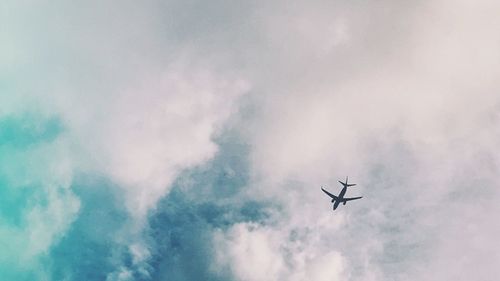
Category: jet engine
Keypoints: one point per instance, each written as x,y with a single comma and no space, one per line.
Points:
345,202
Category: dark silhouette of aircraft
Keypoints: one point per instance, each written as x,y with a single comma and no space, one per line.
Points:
336,200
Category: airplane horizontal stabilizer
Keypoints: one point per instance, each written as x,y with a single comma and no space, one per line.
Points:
347,184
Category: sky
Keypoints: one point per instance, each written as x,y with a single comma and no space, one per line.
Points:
188,140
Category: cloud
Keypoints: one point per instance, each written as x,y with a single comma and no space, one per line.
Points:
399,96
256,252
132,112
144,137
134,108
250,252
406,107
37,204
206,200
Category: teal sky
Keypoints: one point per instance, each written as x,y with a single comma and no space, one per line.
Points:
188,140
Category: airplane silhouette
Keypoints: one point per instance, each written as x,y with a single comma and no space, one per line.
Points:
336,200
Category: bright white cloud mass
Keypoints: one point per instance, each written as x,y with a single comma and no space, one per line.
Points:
188,140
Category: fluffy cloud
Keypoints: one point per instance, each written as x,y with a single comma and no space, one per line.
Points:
407,106
255,252
130,111
400,96
142,138
134,108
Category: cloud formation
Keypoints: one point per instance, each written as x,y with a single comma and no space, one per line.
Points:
109,114
408,108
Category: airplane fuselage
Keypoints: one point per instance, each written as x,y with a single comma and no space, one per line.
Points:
337,202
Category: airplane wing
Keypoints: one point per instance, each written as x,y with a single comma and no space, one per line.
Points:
329,194
353,198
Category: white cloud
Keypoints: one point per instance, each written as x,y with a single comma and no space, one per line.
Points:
252,253
407,106
255,252
142,138
136,106
400,96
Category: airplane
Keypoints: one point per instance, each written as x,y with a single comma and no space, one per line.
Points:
336,200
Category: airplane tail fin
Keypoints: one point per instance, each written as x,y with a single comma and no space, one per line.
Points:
346,184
